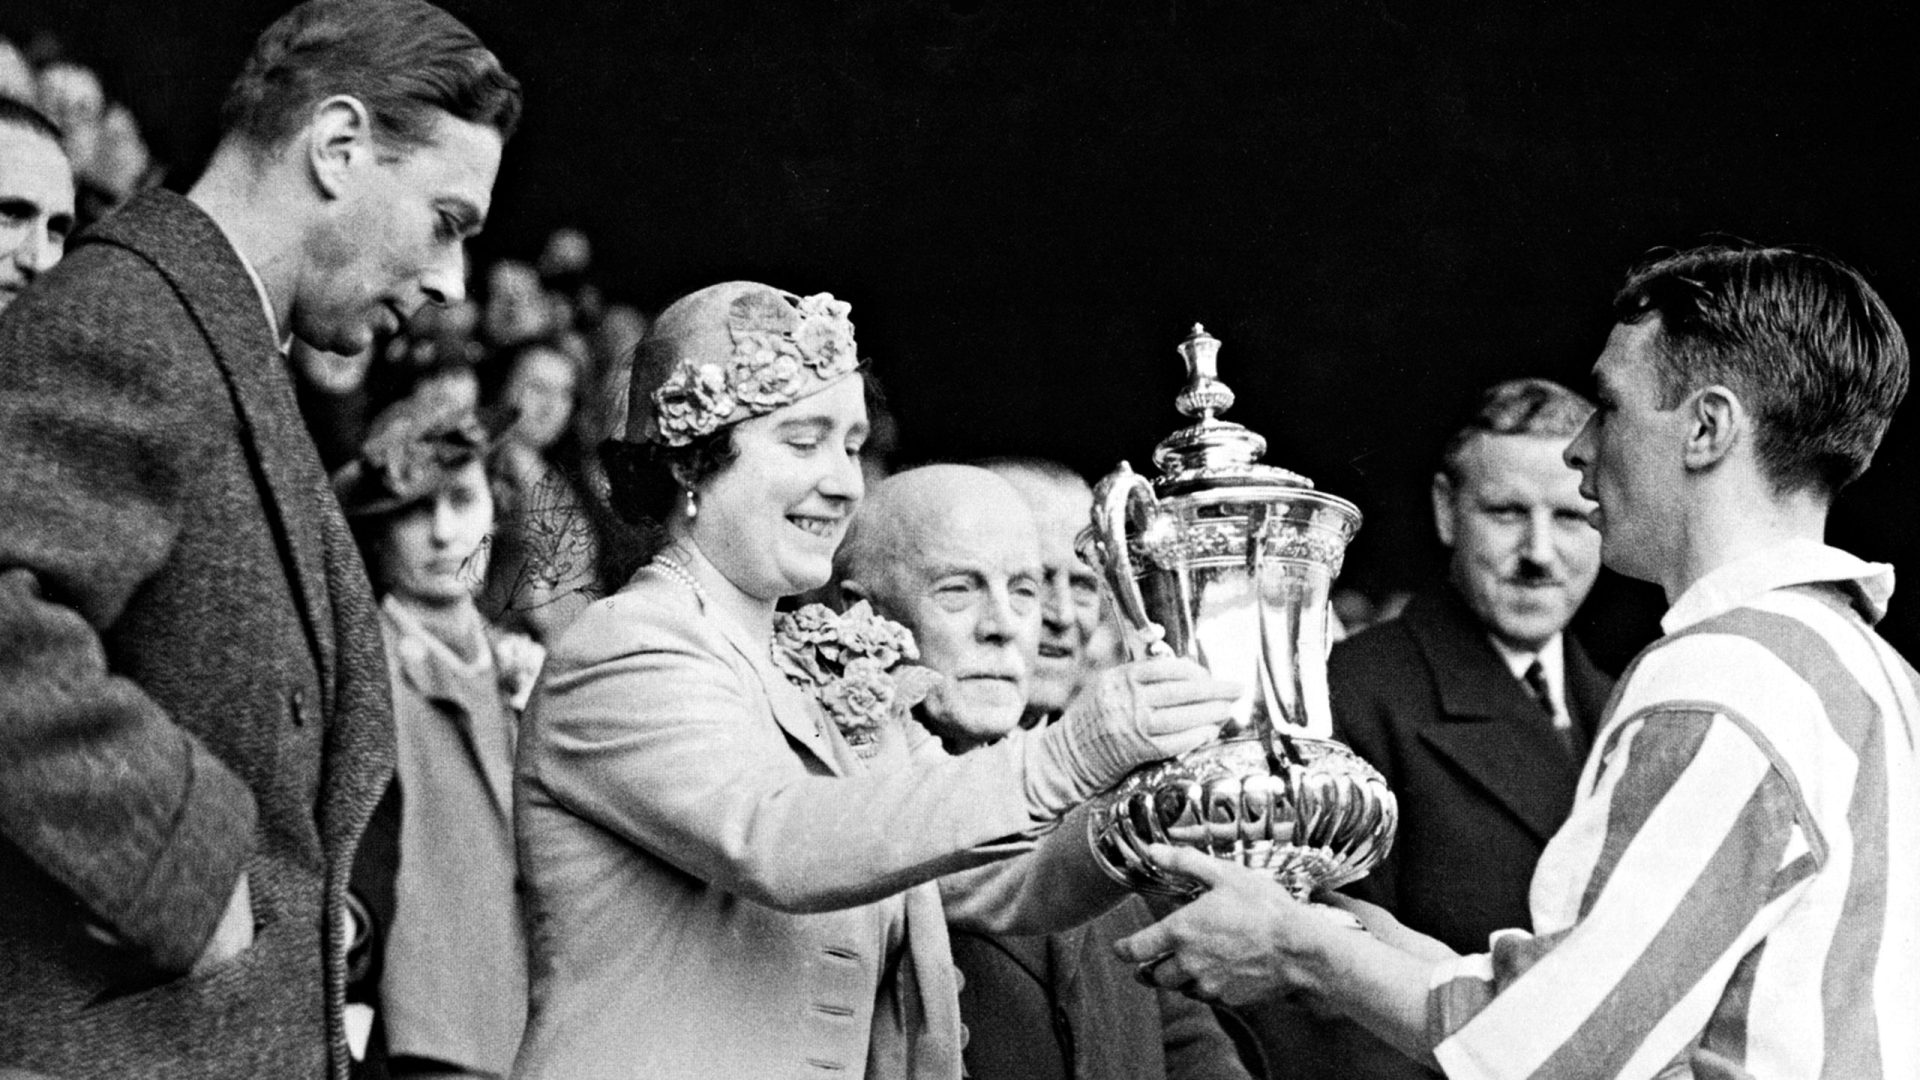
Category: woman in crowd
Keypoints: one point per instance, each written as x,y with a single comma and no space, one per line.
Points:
717,884
439,860
546,558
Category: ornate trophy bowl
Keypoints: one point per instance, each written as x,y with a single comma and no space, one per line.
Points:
1229,563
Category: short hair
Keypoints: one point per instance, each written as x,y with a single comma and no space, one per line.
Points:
1536,407
1804,341
20,114
405,60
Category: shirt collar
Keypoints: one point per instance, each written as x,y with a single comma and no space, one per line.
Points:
1549,655
284,343
1795,562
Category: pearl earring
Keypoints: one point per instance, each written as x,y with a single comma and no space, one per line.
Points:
693,505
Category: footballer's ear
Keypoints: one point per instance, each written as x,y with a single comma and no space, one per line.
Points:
1717,423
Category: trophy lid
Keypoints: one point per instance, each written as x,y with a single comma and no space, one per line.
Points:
1212,453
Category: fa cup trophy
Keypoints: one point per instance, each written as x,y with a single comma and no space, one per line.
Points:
1229,562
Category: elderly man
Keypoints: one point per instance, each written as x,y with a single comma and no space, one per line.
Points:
194,715
1737,889
1070,613
951,552
36,197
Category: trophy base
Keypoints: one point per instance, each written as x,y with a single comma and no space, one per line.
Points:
1318,818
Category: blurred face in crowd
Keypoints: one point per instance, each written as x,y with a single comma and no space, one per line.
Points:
36,207
962,570
541,387
1524,552
1629,457
770,520
430,550
1070,613
394,233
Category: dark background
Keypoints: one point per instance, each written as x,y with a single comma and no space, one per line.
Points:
1379,207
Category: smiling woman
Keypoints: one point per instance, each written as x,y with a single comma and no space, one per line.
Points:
717,883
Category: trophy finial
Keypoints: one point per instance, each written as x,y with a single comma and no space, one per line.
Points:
1211,450
1205,395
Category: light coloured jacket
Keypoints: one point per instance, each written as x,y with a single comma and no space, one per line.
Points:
709,867
454,981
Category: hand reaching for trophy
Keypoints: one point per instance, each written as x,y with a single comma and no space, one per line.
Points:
1142,712
1131,715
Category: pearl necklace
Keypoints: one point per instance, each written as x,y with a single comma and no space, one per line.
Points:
673,569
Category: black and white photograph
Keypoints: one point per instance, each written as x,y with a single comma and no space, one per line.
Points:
939,539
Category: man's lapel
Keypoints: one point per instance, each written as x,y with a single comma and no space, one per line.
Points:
1487,726
1587,691
198,261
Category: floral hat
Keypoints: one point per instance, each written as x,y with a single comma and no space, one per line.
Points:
413,450
731,352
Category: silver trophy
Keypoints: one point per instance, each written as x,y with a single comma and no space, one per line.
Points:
1229,562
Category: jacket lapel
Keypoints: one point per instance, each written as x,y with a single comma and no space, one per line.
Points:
793,709
200,264
414,653
1487,726
1587,691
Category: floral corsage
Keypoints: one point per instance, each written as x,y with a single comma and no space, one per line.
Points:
853,665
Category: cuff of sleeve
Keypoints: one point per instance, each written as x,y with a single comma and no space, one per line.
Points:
193,875
1049,777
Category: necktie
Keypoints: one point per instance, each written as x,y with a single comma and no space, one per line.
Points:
1536,680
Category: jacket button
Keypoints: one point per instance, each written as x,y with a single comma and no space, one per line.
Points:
300,707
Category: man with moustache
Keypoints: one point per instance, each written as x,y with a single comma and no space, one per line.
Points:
950,552
194,713
1736,892
36,197
1475,704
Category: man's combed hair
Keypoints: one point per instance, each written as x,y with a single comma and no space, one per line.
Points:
20,114
1802,339
407,61
1534,407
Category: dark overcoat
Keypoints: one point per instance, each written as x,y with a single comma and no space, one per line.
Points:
1482,779
192,684
1060,1007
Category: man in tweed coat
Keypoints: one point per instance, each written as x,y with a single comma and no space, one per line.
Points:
194,717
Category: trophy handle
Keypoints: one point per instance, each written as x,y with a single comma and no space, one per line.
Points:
1119,495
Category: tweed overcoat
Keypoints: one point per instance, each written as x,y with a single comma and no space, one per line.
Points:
192,684
718,887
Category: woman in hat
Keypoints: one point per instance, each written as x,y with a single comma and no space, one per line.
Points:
439,857
718,884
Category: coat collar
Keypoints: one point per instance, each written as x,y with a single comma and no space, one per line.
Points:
427,668
793,709
1486,723
197,261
